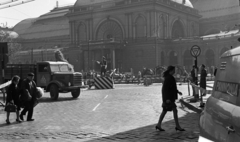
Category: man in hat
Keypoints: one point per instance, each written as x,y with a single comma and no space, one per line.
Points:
29,86
103,66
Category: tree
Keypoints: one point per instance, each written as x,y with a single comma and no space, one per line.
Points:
10,37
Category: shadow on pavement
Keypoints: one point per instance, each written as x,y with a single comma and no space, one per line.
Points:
60,99
148,133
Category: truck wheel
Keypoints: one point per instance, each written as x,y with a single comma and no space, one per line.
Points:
76,93
54,92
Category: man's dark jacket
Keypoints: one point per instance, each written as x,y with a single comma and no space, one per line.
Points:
26,87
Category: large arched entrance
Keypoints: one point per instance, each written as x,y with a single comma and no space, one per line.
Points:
177,29
210,58
108,35
173,58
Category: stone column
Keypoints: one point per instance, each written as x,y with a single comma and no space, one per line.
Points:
126,26
90,29
167,28
113,59
71,31
74,34
130,26
148,24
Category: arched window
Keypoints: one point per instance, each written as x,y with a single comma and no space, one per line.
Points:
109,29
177,29
82,32
140,27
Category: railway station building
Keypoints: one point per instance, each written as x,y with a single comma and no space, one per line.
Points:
133,33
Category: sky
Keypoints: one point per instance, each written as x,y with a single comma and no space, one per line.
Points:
10,16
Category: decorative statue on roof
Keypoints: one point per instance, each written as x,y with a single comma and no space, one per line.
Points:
60,57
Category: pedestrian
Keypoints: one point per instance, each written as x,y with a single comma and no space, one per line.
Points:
103,66
194,80
139,77
194,77
169,95
13,97
215,71
185,74
29,87
203,82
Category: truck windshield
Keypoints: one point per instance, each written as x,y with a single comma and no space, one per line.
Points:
60,68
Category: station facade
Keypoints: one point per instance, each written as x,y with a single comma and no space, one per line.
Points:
137,33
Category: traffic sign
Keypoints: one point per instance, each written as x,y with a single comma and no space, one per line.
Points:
195,51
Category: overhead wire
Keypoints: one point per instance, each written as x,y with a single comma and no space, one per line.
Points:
7,2
16,4
21,12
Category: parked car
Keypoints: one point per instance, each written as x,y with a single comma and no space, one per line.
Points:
220,119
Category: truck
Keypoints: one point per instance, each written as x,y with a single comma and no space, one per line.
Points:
54,77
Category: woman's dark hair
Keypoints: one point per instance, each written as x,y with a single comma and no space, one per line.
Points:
15,78
169,69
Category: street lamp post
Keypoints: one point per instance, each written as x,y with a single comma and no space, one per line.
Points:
88,55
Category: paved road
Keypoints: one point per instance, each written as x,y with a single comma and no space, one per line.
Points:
126,113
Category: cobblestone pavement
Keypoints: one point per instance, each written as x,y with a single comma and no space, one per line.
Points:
126,113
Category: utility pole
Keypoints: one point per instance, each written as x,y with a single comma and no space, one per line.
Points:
88,56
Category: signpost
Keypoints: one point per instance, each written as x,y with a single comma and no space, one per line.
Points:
195,52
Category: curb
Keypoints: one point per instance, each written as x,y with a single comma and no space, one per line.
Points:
191,107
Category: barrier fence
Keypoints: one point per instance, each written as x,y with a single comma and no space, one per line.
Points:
2,88
198,91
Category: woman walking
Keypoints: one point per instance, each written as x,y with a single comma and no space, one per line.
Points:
169,95
13,97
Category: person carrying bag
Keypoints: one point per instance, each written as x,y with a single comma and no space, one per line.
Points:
28,88
169,95
13,101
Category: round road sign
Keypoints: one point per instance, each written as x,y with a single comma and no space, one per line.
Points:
195,51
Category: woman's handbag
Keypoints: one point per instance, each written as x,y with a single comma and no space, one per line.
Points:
168,106
10,107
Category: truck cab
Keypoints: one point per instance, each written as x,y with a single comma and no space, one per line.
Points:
54,77
220,119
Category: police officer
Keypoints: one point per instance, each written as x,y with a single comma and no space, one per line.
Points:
103,66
